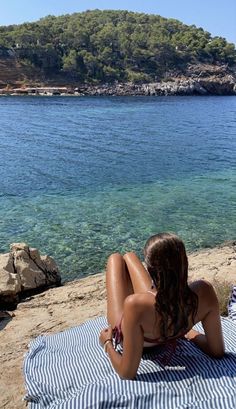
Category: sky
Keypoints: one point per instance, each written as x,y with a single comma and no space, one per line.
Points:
216,16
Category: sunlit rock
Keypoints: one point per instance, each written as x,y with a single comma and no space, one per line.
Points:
24,269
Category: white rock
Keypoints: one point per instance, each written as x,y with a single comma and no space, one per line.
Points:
10,283
24,269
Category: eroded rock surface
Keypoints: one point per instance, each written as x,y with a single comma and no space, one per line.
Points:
24,269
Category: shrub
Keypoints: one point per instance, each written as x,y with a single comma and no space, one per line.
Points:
223,290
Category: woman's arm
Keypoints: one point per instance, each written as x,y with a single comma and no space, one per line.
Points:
211,342
126,365
199,340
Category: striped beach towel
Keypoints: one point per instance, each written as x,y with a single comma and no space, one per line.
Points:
232,304
69,370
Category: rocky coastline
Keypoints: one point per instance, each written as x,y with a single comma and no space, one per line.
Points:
71,304
173,87
202,79
197,80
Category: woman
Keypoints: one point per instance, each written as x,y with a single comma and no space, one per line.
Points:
156,306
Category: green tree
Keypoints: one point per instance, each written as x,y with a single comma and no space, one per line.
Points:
114,45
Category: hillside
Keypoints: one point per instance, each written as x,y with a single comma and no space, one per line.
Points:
14,72
98,47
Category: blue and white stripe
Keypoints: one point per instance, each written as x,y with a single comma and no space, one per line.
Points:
232,304
69,370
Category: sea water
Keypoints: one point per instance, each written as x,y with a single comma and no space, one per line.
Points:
82,177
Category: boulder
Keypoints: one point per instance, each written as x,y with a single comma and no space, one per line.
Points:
9,281
24,269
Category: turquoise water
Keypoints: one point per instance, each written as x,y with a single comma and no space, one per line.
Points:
83,177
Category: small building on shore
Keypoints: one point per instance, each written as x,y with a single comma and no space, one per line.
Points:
37,91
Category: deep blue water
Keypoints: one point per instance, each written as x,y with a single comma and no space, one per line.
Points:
83,177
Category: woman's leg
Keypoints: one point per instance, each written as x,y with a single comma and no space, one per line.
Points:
139,276
118,285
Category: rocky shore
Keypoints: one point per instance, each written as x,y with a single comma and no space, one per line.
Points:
173,87
197,80
71,304
184,86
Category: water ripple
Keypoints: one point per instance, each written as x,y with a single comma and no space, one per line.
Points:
82,177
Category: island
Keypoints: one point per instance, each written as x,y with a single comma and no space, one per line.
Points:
114,53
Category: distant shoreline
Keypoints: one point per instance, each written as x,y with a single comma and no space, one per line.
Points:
173,87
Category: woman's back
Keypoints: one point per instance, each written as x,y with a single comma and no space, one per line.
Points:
207,313
150,321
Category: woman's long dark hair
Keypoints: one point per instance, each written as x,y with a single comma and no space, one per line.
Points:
167,263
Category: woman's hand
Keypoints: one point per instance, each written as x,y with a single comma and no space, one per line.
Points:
105,334
191,334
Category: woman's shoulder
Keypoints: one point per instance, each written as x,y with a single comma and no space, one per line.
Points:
139,308
204,290
201,285
138,302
